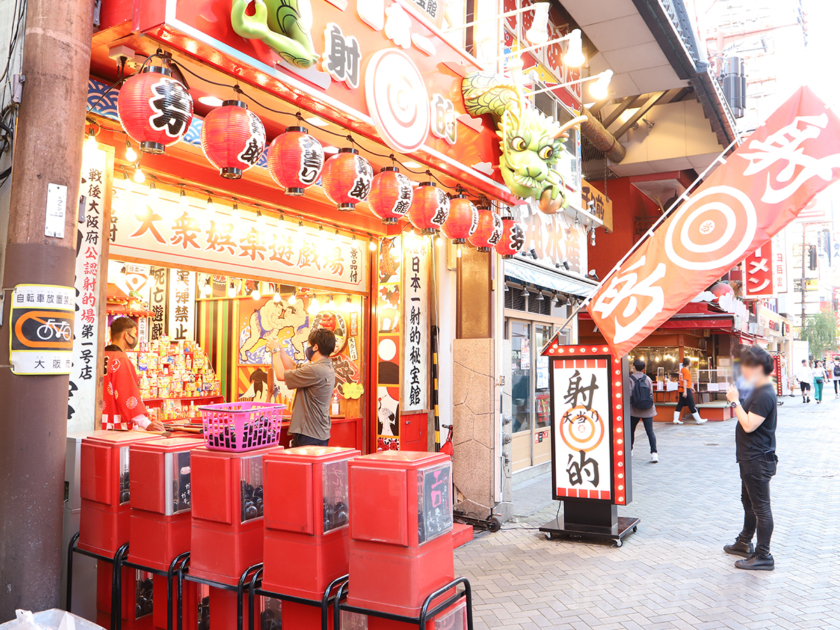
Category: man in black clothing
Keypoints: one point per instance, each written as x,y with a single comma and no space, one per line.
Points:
755,448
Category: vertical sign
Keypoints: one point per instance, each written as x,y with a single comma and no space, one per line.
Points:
415,381
81,404
588,424
778,252
759,273
157,302
41,336
181,305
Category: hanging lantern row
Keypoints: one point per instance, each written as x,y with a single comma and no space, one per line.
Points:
156,110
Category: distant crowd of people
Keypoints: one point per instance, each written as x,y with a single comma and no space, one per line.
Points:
815,376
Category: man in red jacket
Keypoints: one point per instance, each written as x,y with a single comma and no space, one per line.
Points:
123,408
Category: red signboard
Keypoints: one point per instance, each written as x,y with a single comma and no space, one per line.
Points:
759,189
759,273
380,67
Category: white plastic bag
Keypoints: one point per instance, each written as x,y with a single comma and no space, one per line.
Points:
53,619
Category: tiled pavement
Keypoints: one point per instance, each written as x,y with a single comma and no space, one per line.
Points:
673,573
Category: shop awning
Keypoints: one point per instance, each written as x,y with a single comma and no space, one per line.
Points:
548,279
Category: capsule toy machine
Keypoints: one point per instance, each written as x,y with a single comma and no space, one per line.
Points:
228,526
104,521
161,492
307,537
401,535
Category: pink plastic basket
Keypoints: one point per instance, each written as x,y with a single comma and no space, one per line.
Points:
241,426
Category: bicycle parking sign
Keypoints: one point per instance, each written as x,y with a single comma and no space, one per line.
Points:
41,337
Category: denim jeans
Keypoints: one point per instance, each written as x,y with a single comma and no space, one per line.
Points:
755,495
634,422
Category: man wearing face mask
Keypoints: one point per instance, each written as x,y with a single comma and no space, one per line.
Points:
123,404
314,383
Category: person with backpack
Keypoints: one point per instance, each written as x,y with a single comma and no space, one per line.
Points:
835,376
642,407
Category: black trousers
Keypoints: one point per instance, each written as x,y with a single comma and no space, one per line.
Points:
686,400
836,382
299,439
634,422
755,496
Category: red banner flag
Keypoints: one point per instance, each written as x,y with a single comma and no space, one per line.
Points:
752,195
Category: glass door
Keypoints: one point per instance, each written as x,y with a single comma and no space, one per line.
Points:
542,403
521,392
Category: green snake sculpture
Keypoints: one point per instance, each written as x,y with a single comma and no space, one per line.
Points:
532,143
282,25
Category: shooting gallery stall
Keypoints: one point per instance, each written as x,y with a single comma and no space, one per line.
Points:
590,420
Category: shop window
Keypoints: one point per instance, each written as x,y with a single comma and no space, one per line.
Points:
514,299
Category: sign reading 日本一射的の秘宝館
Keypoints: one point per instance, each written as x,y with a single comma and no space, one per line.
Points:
165,231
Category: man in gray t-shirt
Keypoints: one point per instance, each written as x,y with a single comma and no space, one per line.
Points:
314,383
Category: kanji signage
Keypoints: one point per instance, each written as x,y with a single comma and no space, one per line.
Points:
761,188
588,418
759,273
41,338
157,302
415,366
780,275
171,235
597,204
181,305
95,190
444,123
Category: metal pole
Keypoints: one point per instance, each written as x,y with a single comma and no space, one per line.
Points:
47,150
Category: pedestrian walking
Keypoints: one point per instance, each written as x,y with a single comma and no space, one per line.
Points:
755,452
805,377
686,395
642,407
820,377
834,371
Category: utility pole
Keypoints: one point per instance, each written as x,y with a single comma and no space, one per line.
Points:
33,421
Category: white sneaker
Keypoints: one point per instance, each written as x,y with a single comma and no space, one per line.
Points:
654,458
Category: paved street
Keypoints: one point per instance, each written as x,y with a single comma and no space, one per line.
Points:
673,573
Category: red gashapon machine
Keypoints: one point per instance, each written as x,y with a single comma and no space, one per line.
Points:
227,524
401,548
161,502
307,539
105,522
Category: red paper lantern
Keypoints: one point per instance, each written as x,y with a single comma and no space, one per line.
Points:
390,195
429,208
347,179
295,160
489,230
462,221
154,109
513,237
233,139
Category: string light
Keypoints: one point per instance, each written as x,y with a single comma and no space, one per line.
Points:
348,305
293,297
90,142
153,193
207,289
314,307
260,220
183,200
438,241
139,177
459,251
236,214
232,289
256,292
130,153
277,297
331,303
372,245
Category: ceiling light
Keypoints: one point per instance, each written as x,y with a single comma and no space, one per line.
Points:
232,289
574,55
330,149
372,245
540,297
139,177
314,307
256,292
130,153
331,303
525,292
210,101
183,200
207,289
292,298
277,297
317,122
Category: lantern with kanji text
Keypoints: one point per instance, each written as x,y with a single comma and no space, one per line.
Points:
513,237
429,208
232,138
347,179
295,160
390,195
462,220
489,230
154,109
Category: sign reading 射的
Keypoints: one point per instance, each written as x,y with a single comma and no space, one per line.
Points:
41,339
587,424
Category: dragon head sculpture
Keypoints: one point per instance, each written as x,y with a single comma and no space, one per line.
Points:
532,143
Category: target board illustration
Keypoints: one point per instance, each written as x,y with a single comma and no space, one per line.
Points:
582,429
